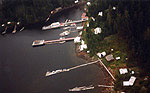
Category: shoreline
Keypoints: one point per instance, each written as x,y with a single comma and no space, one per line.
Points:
108,80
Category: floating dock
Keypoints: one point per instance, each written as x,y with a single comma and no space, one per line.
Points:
42,42
62,24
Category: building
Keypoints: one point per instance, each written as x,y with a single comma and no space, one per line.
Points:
84,17
77,40
123,71
100,55
130,82
100,14
97,30
109,57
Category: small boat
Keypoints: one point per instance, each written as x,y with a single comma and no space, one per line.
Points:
62,41
53,25
38,42
65,33
22,29
4,32
55,72
82,88
79,28
14,31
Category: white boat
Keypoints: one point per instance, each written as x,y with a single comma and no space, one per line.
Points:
62,41
38,42
65,33
14,31
82,88
79,28
56,72
22,29
53,25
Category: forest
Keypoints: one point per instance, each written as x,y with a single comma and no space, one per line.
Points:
29,11
130,19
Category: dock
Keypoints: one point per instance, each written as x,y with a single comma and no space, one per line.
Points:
62,24
43,42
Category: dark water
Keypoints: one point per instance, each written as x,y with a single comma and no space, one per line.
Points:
22,67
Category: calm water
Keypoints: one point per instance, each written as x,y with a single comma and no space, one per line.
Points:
22,67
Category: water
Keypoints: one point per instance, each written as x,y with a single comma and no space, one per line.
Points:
23,68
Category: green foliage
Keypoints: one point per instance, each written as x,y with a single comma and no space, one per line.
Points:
29,11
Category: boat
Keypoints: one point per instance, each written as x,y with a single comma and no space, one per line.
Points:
62,41
48,73
65,33
82,88
22,29
38,42
79,28
4,32
53,25
14,31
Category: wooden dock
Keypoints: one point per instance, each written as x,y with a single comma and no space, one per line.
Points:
59,40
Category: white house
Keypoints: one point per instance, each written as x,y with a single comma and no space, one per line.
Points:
123,71
77,40
97,30
82,47
130,82
88,25
100,55
100,14
76,1
114,8
117,58
88,3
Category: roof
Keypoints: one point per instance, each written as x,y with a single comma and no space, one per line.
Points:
123,71
82,47
97,30
130,82
109,57
77,40
100,13
100,55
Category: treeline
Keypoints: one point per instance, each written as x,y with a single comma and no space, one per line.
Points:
29,11
130,19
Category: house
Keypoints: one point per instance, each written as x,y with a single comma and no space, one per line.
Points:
130,82
84,17
123,71
117,58
77,40
88,25
76,1
109,57
97,30
88,3
82,47
114,8
100,55
100,14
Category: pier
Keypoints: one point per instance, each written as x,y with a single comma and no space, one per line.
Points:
58,25
42,42
48,73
